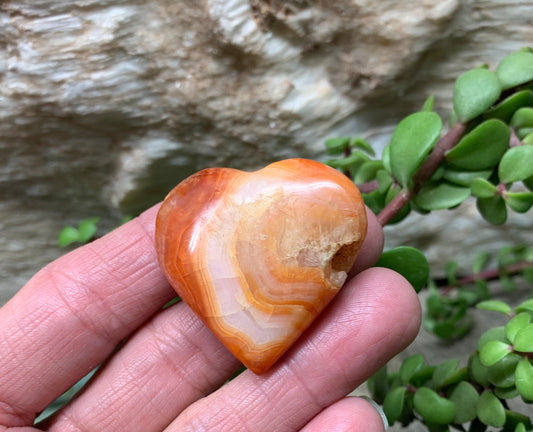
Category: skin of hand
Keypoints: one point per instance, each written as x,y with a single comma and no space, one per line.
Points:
170,373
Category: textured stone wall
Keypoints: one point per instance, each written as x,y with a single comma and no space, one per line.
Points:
106,104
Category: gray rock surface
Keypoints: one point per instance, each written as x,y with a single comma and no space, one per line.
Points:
106,104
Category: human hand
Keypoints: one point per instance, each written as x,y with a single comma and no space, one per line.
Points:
169,373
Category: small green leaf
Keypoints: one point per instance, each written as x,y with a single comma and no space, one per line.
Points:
482,148
375,201
68,235
428,104
480,263
441,196
522,118
444,371
385,158
492,334
501,373
515,69
523,341
520,202
520,428
409,262
525,306
353,161
495,306
506,108
465,398
506,392
524,378
393,404
464,178
384,181
87,229
492,209
528,139
516,324
524,134
432,407
493,351
515,419
490,410
474,92
364,145
482,188
410,366
378,384
367,171
411,142
337,146
450,269
479,373
516,164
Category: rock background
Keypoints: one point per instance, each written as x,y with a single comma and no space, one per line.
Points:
106,104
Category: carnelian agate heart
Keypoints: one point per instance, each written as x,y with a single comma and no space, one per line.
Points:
258,256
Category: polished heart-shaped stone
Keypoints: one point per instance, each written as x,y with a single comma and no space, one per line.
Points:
257,256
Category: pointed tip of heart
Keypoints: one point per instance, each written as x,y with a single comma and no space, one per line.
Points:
258,256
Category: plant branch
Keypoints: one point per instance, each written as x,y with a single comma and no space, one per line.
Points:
487,275
514,141
368,187
424,173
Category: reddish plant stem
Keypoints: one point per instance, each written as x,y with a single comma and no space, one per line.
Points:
488,275
368,187
424,173
514,141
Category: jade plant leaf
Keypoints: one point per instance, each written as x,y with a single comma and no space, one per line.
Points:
522,118
474,92
492,209
516,324
501,373
363,145
478,371
465,398
443,372
337,146
482,148
432,407
520,202
441,196
493,351
482,188
411,366
411,142
464,178
515,69
506,108
492,334
524,378
523,341
495,306
393,404
516,164
490,410
409,262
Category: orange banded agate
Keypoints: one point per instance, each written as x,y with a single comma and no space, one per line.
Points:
257,256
